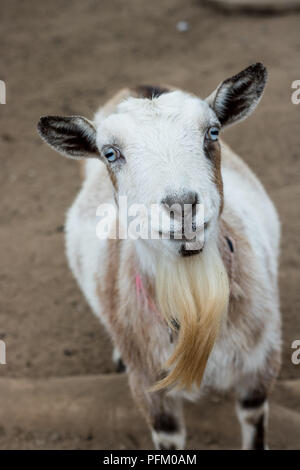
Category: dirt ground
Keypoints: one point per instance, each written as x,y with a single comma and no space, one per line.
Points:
63,57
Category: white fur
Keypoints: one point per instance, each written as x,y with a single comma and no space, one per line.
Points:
169,440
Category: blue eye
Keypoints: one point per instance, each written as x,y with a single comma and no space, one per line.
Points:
111,154
212,133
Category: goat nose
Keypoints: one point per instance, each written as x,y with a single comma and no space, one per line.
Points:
181,198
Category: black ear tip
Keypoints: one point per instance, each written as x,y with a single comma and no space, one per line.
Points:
259,70
43,124
47,122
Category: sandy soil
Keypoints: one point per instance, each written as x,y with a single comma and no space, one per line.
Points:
63,57
89,412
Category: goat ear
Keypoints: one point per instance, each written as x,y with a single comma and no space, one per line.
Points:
73,136
238,96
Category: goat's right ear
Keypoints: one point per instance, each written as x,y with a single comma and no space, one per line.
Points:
73,136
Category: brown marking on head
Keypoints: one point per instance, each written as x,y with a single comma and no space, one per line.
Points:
213,153
150,91
113,179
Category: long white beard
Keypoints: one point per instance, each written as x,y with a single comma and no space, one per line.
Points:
193,291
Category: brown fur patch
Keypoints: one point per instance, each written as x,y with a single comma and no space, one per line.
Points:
108,290
271,368
241,273
150,91
213,152
134,327
139,336
113,179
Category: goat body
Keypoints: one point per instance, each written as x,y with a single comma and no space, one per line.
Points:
118,278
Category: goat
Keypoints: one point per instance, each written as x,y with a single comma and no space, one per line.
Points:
183,319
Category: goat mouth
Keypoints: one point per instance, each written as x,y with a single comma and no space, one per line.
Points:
181,236
183,251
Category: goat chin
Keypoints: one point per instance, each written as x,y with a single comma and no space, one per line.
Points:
194,292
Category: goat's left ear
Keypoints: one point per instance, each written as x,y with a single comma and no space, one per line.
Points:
73,136
238,96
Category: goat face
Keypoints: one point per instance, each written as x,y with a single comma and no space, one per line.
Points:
161,154
164,153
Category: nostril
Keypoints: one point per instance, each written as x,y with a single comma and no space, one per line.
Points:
181,198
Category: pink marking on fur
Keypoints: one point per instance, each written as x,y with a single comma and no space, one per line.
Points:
142,294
